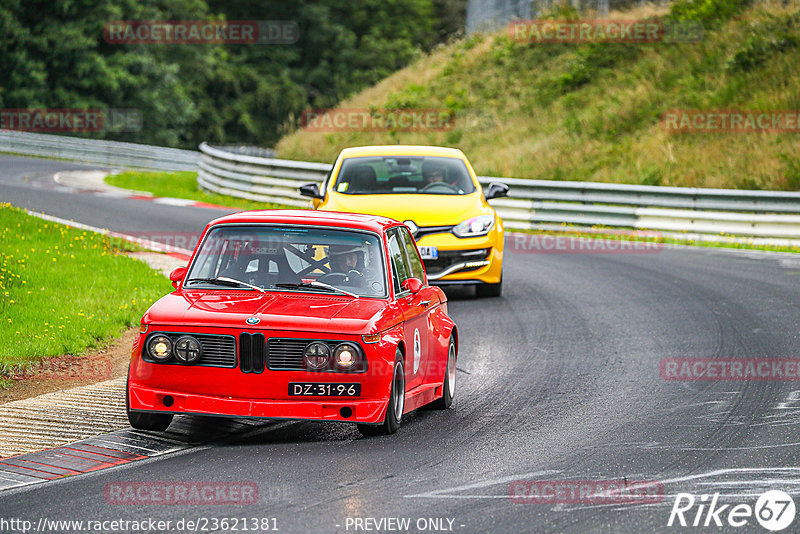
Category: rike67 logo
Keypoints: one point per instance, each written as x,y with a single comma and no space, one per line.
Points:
774,510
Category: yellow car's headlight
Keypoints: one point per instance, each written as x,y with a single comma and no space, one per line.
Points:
474,226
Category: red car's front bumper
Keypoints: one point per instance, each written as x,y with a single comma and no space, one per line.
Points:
357,410
194,389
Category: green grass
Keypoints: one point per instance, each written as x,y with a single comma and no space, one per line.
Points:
592,112
180,185
63,290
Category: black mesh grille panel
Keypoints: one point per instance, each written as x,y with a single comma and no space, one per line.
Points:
286,354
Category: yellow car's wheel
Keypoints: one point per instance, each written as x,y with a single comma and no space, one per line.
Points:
489,290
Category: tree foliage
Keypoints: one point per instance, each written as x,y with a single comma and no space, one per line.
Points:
53,55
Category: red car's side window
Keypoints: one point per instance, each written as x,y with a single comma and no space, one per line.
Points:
414,261
400,270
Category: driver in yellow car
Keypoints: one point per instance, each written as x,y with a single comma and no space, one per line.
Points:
432,173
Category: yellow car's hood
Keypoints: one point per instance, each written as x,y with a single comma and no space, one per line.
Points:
424,210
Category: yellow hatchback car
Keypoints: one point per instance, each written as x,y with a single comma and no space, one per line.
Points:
435,192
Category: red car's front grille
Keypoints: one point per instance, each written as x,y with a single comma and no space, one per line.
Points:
286,354
252,352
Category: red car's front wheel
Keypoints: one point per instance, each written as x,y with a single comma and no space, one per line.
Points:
449,382
397,402
157,422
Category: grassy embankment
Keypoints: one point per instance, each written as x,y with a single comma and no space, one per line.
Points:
63,290
592,112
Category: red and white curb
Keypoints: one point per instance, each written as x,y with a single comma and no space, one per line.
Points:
93,182
181,202
121,447
84,429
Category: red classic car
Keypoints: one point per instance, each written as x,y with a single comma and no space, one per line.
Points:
296,315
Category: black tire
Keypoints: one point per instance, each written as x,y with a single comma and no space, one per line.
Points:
449,381
397,399
157,422
483,291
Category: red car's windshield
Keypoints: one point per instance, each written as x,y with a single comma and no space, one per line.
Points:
289,258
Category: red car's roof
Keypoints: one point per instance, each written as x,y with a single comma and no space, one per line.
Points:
358,221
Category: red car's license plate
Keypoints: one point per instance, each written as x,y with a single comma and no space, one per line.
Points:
327,389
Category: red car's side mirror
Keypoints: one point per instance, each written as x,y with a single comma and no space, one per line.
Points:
412,284
177,275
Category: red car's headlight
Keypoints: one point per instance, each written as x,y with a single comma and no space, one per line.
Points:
345,355
160,348
188,349
317,355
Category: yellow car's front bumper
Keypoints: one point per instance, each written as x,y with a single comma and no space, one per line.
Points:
470,260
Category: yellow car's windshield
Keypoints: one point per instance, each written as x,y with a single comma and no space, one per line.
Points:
425,175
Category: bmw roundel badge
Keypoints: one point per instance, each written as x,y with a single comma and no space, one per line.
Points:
252,320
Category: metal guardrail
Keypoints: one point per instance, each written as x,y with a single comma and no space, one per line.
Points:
246,172
535,204
262,179
111,153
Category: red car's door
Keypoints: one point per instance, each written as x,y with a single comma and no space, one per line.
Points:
430,369
416,327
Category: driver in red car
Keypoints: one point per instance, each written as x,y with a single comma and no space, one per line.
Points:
359,265
344,259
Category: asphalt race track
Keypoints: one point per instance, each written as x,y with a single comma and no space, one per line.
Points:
558,380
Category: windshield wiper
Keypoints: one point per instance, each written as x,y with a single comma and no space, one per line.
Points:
224,280
319,285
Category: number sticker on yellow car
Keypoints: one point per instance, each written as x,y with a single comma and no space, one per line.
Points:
429,253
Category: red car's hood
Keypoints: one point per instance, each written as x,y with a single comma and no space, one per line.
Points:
278,311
